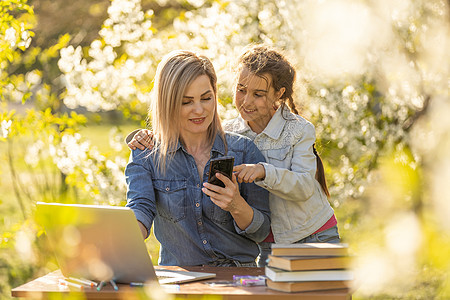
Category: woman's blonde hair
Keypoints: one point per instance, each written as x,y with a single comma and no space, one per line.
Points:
176,71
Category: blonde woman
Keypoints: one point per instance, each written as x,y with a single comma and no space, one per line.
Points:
197,223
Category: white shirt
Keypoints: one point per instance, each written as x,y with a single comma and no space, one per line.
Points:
297,202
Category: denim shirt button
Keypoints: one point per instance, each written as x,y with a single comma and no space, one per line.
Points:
167,188
197,204
198,185
205,241
200,223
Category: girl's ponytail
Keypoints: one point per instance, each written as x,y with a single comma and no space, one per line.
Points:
320,173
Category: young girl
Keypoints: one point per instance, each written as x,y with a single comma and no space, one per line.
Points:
293,172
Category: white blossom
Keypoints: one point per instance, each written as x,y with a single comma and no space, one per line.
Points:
6,128
102,177
116,141
34,153
10,36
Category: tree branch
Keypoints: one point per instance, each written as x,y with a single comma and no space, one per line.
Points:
413,119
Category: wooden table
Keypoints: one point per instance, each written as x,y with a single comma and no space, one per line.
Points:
45,286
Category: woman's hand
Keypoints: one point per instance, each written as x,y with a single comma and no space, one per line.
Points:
249,172
142,139
229,199
143,230
226,198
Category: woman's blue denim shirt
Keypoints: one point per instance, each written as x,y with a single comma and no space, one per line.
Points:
193,230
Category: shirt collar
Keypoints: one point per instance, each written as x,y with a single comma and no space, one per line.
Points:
218,147
276,124
273,129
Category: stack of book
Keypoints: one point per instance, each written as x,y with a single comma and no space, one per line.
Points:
309,267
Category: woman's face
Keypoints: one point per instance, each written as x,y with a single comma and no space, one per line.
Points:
255,98
198,107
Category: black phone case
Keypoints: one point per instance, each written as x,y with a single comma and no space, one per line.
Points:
223,165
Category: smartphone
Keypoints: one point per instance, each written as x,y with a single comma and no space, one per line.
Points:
224,165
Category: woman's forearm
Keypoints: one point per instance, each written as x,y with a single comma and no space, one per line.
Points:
242,214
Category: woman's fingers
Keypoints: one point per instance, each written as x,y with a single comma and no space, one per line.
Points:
210,189
227,181
222,197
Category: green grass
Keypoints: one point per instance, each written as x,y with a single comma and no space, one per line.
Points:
45,173
99,134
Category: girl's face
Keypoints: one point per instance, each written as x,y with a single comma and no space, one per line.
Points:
197,108
255,98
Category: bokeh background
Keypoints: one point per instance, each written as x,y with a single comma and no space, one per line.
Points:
373,76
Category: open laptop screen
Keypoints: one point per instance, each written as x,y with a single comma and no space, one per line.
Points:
96,242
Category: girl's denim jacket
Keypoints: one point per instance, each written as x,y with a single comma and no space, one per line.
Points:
298,204
193,230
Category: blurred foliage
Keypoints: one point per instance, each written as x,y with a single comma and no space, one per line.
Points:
373,77
16,19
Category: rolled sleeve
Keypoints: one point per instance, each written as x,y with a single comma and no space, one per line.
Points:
257,222
144,219
140,193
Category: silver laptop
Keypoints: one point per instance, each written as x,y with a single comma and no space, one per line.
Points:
103,243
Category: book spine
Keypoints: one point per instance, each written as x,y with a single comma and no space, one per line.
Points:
323,275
